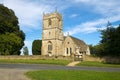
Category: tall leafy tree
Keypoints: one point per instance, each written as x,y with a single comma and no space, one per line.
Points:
117,41
11,37
110,41
36,47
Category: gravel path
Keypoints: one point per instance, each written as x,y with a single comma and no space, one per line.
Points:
73,63
12,74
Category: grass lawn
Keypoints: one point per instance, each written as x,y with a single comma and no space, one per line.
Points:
35,61
98,64
72,75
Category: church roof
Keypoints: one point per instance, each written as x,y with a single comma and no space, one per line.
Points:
79,43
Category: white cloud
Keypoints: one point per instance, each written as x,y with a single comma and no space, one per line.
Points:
73,15
28,13
109,9
92,26
104,7
82,1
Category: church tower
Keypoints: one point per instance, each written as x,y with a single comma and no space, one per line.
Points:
52,34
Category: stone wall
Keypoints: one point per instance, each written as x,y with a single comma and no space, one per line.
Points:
37,57
103,59
90,58
85,58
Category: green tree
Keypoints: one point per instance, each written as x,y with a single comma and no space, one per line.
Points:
99,49
91,47
96,50
117,41
25,50
11,37
36,47
110,41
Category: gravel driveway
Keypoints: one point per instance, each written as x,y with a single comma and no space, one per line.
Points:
12,74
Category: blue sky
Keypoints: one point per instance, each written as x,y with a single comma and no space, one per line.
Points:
81,18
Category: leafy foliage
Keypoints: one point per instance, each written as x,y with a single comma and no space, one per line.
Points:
36,47
96,50
110,43
11,37
10,44
110,40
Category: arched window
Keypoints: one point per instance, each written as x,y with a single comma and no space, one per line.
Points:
70,50
67,50
49,46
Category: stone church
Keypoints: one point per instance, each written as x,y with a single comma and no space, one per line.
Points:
54,43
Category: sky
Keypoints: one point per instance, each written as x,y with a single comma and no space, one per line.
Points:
81,18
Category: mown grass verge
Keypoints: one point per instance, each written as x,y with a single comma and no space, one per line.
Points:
36,61
97,64
72,75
